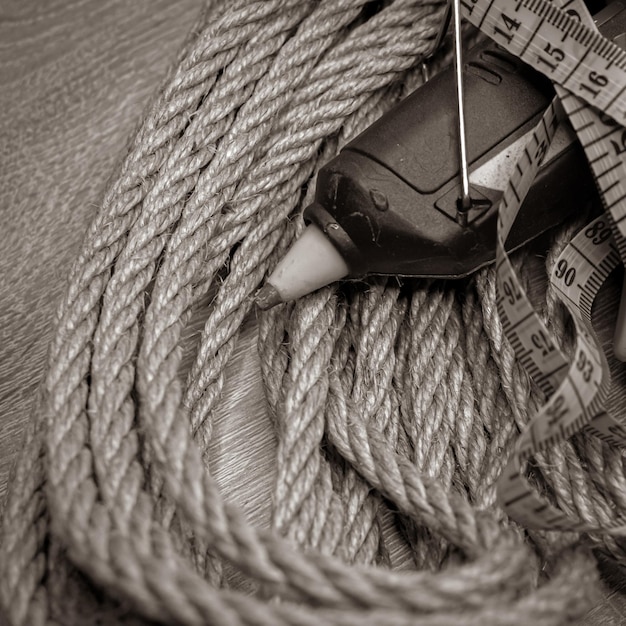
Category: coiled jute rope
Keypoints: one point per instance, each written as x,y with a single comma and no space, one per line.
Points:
390,400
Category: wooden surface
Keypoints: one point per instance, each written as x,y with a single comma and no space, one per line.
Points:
74,79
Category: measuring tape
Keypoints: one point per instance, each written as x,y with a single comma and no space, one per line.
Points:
589,73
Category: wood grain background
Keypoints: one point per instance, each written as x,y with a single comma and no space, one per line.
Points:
75,77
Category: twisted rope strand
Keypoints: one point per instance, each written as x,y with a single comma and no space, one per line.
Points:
386,397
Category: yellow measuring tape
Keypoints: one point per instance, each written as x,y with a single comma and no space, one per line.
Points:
560,40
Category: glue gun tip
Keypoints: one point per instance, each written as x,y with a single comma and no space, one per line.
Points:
267,297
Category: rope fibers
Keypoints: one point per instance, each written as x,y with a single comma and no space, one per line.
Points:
395,405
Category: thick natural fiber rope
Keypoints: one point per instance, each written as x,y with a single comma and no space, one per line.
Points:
390,402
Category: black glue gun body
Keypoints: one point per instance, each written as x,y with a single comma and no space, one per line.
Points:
388,202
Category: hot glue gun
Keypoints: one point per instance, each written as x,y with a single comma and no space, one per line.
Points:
388,203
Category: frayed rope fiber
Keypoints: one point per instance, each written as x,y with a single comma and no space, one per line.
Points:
395,406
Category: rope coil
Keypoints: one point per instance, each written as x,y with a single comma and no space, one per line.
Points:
389,402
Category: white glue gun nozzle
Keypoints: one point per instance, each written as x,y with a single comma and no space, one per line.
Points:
311,263
619,338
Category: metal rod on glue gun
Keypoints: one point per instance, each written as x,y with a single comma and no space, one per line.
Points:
464,203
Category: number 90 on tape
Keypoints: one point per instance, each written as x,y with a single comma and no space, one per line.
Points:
580,386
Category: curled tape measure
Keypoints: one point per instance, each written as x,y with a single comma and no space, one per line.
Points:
560,40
